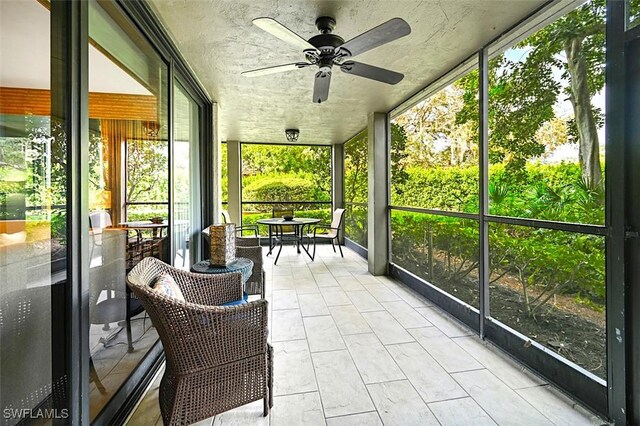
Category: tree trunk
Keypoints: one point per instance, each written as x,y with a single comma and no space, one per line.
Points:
583,112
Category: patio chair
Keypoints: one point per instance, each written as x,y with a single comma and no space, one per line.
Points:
255,283
285,232
244,240
332,234
218,357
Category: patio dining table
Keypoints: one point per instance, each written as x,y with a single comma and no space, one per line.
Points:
277,224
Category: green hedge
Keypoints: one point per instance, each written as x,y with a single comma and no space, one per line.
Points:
549,192
252,218
281,187
549,261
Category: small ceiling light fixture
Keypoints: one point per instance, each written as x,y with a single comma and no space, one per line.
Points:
292,134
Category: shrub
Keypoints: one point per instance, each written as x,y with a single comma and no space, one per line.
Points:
281,187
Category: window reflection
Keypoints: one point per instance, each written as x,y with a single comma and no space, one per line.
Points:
128,192
33,213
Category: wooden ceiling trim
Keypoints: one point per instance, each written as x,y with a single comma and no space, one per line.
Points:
112,106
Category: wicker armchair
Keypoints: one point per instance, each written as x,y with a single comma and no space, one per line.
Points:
218,357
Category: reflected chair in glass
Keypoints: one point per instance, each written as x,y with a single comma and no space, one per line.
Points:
110,299
332,233
241,239
255,284
217,356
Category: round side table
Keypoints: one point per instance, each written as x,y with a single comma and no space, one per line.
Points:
241,264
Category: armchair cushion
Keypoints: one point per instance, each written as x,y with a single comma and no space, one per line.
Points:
242,301
166,285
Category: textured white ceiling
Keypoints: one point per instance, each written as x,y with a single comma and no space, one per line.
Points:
219,41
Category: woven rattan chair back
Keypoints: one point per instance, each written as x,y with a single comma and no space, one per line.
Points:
217,357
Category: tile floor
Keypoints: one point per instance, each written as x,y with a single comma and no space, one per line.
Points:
353,349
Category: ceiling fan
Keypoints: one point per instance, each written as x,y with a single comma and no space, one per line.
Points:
327,49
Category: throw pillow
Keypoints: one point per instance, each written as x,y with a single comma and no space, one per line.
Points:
166,285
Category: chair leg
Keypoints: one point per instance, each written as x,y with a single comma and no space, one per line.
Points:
340,247
128,321
93,375
334,246
264,283
129,339
278,256
313,257
265,406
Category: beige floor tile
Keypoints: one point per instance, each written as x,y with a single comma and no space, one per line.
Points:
349,320
388,330
460,412
398,403
300,409
349,283
444,322
341,388
509,371
424,373
312,304
284,299
249,414
287,325
372,359
364,302
502,403
335,296
444,350
382,293
557,407
322,334
405,314
325,280
293,369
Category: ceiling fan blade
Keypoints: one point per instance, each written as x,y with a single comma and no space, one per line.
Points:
374,73
321,87
382,34
275,69
276,29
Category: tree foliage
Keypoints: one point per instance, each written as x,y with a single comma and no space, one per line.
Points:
260,159
523,91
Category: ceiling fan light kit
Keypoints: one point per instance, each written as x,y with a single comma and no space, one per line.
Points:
326,50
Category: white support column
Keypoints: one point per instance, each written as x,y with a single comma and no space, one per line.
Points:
337,179
378,134
234,181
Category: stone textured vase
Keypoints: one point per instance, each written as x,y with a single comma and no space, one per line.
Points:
223,244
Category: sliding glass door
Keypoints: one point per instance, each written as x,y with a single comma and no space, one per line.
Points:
186,174
34,207
128,187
